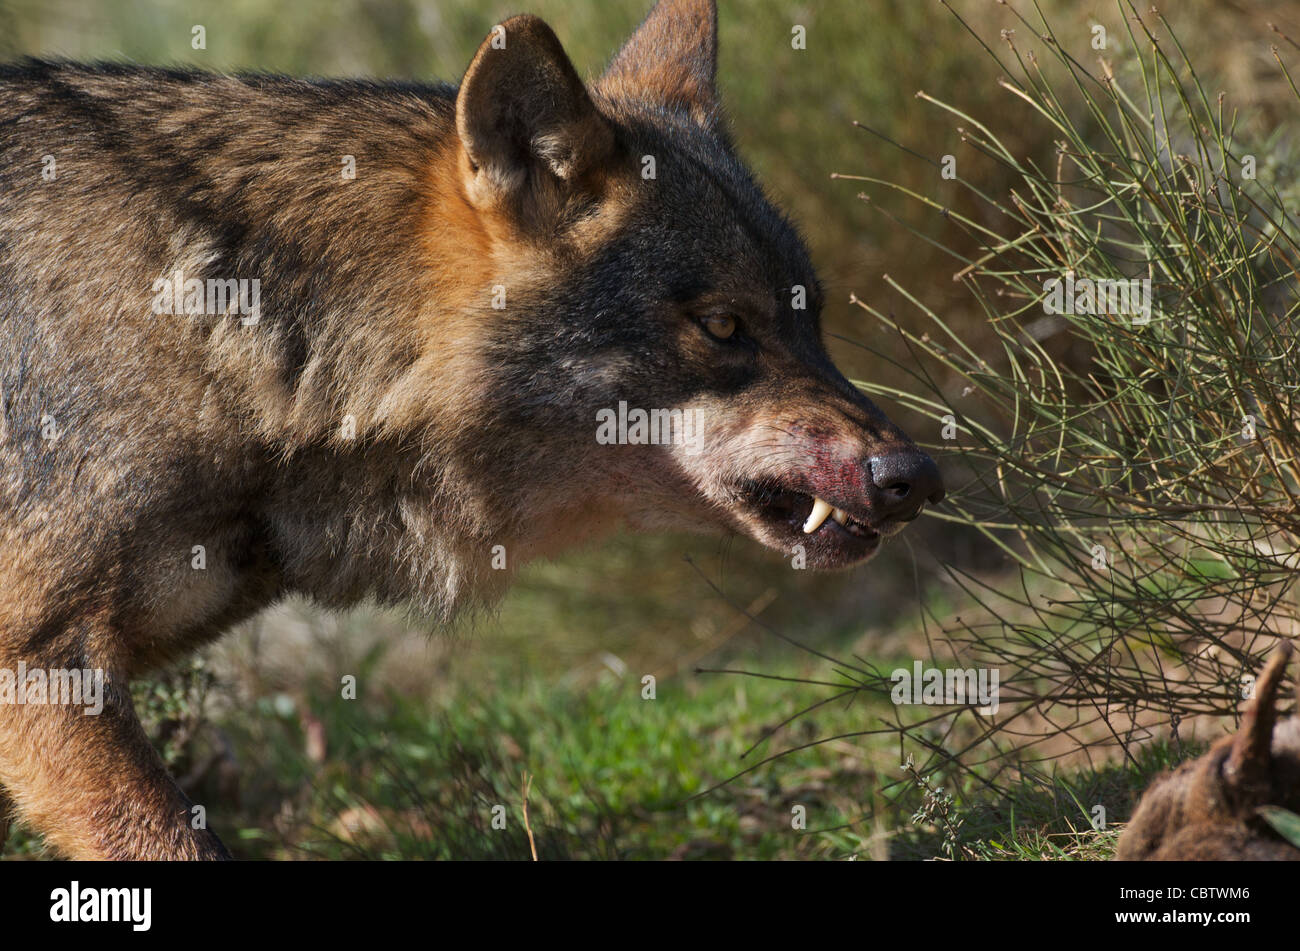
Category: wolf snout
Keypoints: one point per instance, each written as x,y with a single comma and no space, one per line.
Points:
902,482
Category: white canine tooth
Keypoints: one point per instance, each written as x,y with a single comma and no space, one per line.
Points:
840,516
818,515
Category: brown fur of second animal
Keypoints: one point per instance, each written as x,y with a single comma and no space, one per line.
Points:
1209,809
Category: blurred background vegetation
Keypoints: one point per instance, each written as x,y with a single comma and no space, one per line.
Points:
551,686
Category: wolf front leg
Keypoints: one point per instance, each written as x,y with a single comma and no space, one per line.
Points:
92,783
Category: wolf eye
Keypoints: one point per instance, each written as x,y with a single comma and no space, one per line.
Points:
720,326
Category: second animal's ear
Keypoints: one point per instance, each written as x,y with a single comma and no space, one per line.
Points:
1248,769
524,118
671,61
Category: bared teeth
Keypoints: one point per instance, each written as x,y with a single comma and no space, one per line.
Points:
840,516
820,510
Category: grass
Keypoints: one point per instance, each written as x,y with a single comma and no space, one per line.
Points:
302,773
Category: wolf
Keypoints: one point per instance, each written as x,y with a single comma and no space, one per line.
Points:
353,340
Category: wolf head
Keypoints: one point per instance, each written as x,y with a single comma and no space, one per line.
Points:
656,347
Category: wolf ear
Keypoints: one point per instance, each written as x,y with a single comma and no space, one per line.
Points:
672,60
522,110
1248,768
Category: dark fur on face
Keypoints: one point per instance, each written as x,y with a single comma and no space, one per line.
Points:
416,402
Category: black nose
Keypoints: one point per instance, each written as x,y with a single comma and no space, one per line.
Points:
905,481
